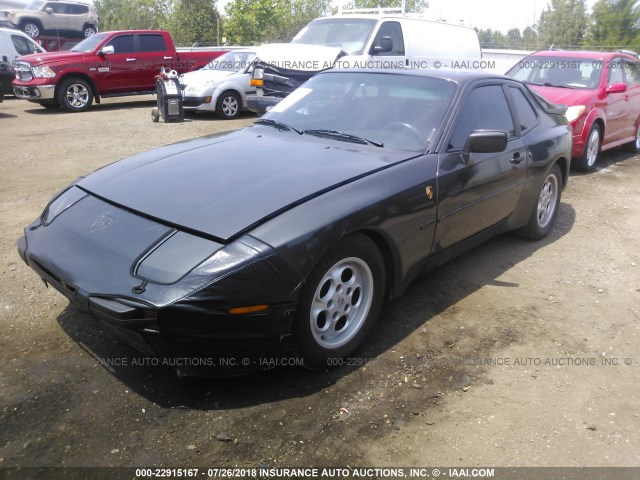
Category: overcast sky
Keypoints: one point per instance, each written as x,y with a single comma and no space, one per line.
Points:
495,14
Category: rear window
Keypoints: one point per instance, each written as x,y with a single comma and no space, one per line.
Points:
152,43
568,72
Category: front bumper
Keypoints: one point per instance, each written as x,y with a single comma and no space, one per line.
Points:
35,93
260,104
198,102
194,342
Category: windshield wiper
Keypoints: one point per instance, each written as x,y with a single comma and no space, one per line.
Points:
279,125
548,84
342,136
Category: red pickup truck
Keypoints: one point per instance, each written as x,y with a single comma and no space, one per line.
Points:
106,64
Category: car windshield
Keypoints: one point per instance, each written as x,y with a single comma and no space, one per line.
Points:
35,5
564,72
230,62
90,44
383,109
350,34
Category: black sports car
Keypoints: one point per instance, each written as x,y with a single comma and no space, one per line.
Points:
285,238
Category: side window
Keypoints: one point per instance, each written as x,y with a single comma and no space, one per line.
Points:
122,44
485,108
631,73
56,7
22,45
526,114
77,9
152,43
615,72
392,30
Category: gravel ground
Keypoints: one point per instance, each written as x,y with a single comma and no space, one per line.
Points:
518,353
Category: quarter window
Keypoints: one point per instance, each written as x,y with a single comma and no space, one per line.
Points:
485,108
526,114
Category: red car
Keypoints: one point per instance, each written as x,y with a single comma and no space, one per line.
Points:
602,91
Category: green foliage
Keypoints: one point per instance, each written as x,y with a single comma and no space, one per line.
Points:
194,21
252,22
563,24
616,24
411,6
132,14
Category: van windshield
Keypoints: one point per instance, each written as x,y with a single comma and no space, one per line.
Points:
350,34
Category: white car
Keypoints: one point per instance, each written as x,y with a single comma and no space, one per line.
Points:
221,86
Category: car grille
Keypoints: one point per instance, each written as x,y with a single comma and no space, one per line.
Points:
278,87
23,72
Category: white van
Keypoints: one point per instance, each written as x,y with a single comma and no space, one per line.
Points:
360,41
13,43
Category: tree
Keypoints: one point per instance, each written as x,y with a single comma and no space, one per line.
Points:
252,22
529,39
514,38
616,24
132,14
411,6
194,21
563,24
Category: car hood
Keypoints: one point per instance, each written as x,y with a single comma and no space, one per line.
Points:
201,76
564,96
294,56
223,185
47,57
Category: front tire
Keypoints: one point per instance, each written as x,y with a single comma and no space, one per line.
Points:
545,211
339,304
31,28
88,31
587,162
228,105
75,95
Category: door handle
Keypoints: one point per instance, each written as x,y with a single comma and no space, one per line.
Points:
168,58
131,59
516,159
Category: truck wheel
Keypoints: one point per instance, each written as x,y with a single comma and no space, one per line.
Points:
89,30
228,105
155,115
75,95
31,28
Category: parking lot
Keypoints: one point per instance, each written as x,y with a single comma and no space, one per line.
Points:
518,353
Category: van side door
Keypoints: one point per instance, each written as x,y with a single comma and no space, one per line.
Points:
396,57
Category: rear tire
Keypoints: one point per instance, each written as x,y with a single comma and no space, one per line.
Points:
587,162
75,95
340,301
633,147
545,211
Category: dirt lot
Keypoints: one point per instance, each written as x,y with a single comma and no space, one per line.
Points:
516,354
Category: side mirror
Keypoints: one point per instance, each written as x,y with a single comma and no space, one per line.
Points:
108,50
486,141
48,10
616,88
386,45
